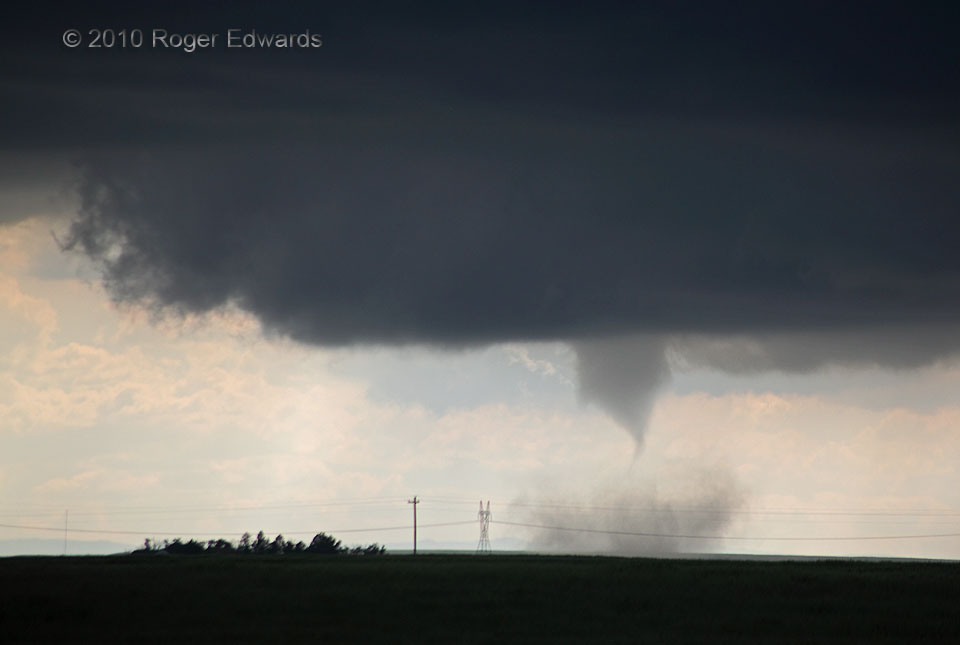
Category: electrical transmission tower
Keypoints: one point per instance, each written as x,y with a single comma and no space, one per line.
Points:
484,516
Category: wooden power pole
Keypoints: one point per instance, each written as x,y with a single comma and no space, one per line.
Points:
414,501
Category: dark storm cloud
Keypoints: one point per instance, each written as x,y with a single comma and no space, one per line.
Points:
888,63
28,186
507,230
455,176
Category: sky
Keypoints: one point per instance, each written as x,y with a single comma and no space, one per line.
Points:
653,278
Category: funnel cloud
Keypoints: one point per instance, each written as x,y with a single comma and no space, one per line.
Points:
622,376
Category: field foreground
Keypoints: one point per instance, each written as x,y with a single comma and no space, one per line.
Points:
466,599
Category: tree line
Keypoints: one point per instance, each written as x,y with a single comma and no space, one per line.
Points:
321,544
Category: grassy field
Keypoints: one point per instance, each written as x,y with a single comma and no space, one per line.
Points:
468,599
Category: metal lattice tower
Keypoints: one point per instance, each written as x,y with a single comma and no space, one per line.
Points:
484,516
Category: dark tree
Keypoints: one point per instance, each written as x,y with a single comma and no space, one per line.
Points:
177,547
324,544
220,546
261,544
276,547
371,549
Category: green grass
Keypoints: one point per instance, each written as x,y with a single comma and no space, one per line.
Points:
471,599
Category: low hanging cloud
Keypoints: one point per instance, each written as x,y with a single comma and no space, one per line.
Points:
745,191
721,261
892,345
417,244
724,261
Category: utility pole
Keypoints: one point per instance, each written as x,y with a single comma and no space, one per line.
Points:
66,522
484,516
414,501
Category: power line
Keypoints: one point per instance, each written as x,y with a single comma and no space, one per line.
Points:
725,537
206,533
942,522
138,510
442,500
739,511
521,524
